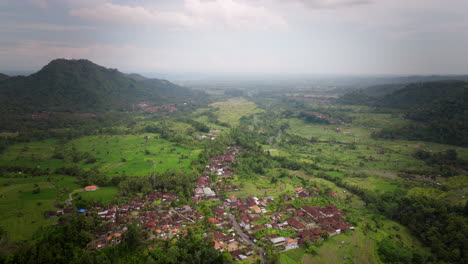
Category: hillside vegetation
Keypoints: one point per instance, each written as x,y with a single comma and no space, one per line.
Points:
82,86
3,76
438,109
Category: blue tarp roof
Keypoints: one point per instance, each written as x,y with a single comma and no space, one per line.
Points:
81,211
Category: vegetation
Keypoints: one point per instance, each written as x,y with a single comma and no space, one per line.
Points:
81,86
404,194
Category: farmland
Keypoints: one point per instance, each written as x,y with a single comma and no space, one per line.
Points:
22,208
132,155
279,153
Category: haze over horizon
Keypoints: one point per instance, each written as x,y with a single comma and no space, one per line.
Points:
238,37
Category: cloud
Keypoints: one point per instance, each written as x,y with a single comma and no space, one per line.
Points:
323,4
40,3
39,53
27,27
195,14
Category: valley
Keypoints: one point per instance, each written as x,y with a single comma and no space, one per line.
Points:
265,178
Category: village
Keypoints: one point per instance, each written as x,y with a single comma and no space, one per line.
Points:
318,115
236,225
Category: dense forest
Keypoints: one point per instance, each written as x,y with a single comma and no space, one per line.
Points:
438,109
80,86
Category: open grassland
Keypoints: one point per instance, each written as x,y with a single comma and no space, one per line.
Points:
360,134
134,155
31,154
22,211
102,194
232,110
375,164
261,186
119,154
293,256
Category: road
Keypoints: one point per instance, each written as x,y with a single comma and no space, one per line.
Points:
70,196
246,238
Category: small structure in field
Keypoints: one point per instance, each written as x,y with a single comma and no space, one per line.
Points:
90,188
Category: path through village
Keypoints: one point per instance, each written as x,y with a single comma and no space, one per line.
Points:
246,238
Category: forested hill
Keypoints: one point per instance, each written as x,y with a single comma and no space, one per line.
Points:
82,86
419,94
439,111
3,76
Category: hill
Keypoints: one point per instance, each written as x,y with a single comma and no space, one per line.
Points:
82,86
437,109
417,94
3,76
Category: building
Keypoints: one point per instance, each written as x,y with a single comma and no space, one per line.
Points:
208,192
256,209
278,241
90,188
291,244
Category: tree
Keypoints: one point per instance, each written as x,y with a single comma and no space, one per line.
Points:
133,236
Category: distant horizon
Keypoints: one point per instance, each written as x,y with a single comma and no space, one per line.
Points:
194,75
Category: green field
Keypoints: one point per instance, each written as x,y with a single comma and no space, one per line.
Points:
22,211
134,155
261,186
123,154
232,110
102,194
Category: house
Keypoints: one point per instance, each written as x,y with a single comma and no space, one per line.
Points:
202,181
278,241
256,209
169,197
233,199
248,251
291,244
90,188
237,254
217,245
295,223
208,192
303,194
199,192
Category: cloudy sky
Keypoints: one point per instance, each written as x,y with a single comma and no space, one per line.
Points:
239,36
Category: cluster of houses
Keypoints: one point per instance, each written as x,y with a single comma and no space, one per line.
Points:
146,107
169,108
310,222
226,238
219,166
160,220
47,115
229,234
318,115
210,135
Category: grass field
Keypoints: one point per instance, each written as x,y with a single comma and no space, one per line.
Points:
377,162
262,187
134,155
293,256
22,211
130,154
102,194
232,110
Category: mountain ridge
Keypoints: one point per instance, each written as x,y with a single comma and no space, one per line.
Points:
83,86
3,76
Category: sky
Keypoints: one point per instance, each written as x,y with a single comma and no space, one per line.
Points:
356,37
